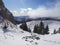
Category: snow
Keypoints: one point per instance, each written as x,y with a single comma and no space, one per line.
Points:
19,38
52,24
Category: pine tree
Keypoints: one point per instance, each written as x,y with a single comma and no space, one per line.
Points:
41,28
5,28
58,30
46,30
54,31
35,29
24,26
29,30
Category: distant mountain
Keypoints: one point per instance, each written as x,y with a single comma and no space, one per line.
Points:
22,19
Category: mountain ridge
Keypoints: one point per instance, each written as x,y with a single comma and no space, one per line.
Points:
28,19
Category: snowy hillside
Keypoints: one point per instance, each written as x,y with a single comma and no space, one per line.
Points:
52,24
11,37
12,34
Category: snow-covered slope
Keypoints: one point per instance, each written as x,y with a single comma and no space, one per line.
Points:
11,37
22,38
52,24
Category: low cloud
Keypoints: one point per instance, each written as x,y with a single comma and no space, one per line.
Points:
41,11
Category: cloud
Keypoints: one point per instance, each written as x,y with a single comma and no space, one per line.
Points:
41,11
21,12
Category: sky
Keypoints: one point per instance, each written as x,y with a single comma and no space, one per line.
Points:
34,8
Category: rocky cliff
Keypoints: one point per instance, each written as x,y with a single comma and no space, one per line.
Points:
5,13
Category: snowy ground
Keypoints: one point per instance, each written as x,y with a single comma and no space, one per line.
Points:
11,38
52,24
24,38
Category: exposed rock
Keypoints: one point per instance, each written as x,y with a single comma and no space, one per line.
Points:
5,13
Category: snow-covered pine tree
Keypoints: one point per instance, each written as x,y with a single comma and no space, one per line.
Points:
54,32
24,26
46,31
41,28
58,31
35,29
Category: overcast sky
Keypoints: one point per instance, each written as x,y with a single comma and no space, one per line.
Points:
34,8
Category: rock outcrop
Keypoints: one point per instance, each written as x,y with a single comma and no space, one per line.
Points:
5,13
